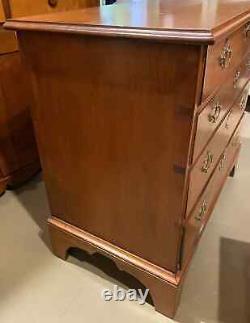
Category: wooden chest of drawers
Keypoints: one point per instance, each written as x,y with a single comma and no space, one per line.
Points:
18,152
138,126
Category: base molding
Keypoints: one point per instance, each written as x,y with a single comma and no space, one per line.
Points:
165,288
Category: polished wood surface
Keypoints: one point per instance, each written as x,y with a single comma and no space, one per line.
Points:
224,58
213,112
2,13
8,41
17,142
117,132
123,165
206,163
190,20
28,8
18,153
200,215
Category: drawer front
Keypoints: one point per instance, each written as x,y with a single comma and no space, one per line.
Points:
28,8
198,218
2,15
205,165
8,41
209,119
224,57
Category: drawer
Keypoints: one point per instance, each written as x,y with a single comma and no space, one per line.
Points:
209,119
224,57
202,170
8,41
2,15
197,220
28,7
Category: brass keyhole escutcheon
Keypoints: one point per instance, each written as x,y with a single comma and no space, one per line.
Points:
53,3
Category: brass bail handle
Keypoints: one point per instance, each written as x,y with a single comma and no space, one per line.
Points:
215,113
202,211
207,162
225,56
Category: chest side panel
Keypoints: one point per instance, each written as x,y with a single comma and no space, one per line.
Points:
113,119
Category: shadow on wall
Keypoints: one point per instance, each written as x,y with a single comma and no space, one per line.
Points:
234,282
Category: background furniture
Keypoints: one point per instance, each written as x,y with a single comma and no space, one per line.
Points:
17,8
138,127
18,153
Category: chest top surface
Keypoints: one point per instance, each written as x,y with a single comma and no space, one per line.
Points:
187,20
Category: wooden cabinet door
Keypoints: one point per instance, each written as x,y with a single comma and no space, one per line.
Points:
28,7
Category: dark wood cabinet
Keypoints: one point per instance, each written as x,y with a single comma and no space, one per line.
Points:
138,126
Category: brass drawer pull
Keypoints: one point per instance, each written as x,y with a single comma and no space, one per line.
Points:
215,113
207,162
222,162
202,211
225,56
247,30
236,78
53,3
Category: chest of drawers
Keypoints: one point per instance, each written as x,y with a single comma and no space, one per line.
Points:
18,153
138,125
